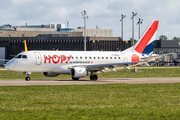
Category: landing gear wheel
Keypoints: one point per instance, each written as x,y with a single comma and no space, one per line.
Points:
28,78
93,77
75,78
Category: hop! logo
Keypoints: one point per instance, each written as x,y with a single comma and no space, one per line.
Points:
56,59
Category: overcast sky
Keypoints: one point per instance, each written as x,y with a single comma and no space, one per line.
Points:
104,13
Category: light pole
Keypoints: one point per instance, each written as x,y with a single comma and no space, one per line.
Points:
122,17
139,22
133,14
84,14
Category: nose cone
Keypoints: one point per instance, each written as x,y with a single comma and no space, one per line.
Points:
8,66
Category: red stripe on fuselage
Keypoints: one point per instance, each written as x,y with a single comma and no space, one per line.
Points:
147,37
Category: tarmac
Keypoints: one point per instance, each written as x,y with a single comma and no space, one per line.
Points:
84,81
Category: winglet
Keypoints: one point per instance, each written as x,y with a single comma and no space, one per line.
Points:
25,45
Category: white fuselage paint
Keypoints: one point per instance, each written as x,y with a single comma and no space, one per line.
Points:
47,61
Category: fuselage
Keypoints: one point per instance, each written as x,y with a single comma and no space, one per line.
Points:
60,61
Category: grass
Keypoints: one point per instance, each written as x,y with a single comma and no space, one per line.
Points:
125,73
102,102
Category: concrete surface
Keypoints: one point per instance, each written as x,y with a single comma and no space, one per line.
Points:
84,81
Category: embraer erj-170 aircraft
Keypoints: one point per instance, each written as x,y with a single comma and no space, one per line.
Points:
79,63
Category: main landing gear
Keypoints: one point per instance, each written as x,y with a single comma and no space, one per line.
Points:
28,77
93,77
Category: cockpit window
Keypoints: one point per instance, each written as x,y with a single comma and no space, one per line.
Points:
24,56
18,56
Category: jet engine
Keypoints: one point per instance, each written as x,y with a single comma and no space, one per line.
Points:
78,72
50,74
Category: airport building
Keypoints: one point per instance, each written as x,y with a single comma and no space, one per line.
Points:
57,37
8,30
14,45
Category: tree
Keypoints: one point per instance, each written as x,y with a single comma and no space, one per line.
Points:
163,37
176,38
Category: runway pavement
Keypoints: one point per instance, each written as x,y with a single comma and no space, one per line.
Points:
87,81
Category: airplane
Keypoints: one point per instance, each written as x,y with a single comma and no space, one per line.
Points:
81,63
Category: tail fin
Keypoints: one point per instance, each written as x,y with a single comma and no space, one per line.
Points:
25,45
145,44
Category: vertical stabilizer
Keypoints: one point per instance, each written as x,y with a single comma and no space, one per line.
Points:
145,44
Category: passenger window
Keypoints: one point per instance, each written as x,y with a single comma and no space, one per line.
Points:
119,57
85,57
94,57
89,57
106,57
80,57
98,57
18,56
102,57
76,57
110,57
24,56
72,57
67,57
114,57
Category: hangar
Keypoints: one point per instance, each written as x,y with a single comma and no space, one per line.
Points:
14,45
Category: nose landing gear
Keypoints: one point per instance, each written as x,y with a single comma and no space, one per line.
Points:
28,77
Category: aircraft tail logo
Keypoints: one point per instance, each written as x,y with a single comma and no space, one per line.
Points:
145,44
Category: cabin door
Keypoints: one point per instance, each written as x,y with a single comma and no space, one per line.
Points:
38,58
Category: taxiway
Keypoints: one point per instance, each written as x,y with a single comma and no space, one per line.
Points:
87,81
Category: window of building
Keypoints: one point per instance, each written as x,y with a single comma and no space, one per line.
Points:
91,31
95,31
178,43
104,31
100,32
109,32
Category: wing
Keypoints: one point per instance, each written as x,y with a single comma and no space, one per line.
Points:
152,57
101,67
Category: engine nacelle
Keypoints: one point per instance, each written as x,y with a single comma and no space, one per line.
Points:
78,72
50,74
